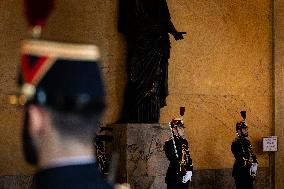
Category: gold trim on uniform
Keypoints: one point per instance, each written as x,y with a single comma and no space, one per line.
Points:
43,70
28,90
60,50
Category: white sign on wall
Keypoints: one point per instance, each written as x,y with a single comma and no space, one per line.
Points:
270,144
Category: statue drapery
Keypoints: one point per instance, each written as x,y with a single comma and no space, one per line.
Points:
146,25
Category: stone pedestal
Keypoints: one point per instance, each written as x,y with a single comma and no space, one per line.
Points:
142,161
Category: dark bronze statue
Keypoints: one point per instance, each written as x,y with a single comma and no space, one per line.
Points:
146,25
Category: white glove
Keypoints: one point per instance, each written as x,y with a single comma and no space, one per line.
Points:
253,169
187,177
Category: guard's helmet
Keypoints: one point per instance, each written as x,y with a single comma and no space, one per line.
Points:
242,124
177,122
60,75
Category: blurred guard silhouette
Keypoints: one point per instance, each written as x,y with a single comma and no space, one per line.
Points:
64,98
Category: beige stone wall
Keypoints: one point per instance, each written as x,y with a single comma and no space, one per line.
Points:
223,66
279,90
12,25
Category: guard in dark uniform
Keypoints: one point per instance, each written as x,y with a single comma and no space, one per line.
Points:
245,166
179,172
64,98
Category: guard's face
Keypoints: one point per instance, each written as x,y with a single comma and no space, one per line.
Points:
244,132
180,131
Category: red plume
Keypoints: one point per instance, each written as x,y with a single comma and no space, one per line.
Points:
181,111
38,11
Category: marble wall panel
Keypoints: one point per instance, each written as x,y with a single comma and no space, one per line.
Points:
210,121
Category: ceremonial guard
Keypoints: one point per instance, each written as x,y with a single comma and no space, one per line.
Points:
63,99
179,172
245,166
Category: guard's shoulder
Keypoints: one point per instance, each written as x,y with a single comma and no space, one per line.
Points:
185,140
247,141
168,143
236,140
169,139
